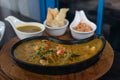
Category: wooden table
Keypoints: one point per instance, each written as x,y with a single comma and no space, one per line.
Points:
92,73
16,73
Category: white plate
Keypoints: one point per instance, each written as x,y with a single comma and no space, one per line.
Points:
2,29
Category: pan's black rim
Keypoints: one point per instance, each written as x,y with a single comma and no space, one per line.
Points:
19,62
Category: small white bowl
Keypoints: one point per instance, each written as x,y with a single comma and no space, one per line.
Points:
83,35
80,15
23,35
56,31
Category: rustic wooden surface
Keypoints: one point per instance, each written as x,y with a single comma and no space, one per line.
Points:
92,73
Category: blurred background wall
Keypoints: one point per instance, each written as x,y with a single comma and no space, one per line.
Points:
112,17
111,22
29,8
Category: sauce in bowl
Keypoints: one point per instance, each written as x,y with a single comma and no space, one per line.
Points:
28,28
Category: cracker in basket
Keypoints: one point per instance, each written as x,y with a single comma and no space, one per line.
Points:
56,18
60,18
62,14
54,12
51,15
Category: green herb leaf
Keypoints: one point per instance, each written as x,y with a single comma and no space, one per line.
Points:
75,55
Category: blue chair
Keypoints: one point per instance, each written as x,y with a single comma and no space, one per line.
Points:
100,16
44,4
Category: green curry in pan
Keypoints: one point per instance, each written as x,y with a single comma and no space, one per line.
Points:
46,52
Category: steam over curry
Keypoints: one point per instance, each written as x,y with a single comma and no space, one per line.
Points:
46,52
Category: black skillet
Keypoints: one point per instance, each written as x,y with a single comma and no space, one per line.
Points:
58,70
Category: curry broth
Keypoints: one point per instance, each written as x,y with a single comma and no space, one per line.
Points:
28,28
46,52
